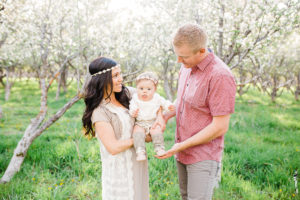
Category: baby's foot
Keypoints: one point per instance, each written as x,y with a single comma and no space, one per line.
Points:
160,151
140,155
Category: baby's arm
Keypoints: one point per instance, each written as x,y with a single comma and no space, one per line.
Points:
166,104
133,108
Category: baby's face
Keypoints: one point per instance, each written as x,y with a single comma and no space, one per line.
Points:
145,90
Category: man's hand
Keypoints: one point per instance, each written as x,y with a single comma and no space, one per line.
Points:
171,108
175,149
160,121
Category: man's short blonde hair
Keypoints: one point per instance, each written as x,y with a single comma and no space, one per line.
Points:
192,35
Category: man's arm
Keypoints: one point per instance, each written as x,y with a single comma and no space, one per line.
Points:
217,128
169,115
163,119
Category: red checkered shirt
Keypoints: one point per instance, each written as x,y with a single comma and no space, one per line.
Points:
204,91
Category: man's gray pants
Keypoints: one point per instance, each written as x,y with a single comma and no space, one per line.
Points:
197,181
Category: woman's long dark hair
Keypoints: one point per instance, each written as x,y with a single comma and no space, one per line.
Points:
94,91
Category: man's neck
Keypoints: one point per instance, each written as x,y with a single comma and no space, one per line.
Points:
204,55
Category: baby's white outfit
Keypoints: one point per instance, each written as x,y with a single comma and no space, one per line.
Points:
147,110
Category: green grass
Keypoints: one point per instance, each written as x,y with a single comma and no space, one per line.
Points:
262,151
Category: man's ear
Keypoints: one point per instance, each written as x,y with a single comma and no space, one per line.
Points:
202,50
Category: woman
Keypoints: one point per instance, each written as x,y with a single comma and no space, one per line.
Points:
107,104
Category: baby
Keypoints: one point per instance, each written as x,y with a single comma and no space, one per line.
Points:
144,106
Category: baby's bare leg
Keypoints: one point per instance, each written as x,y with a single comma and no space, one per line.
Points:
139,142
158,140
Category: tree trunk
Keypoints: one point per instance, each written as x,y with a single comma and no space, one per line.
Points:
274,89
58,88
297,92
168,89
166,85
8,85
31,133
4,37
242,80
64,78
221,28
172,81
240,89
28,137
7,90
36,127
1,115
1,80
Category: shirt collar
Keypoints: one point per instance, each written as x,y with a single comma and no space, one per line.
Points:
205,62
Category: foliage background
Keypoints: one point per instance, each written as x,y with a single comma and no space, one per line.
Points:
42,41
261,152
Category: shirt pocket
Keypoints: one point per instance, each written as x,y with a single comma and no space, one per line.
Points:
197,98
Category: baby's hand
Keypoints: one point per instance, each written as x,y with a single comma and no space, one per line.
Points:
171,107
135,113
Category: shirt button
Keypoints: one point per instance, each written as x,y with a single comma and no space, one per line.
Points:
187,85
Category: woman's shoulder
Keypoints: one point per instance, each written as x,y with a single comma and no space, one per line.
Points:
102,111
100,108
100,114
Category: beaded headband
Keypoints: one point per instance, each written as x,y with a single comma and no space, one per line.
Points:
106,70
149,76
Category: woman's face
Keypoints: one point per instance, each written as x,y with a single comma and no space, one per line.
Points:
117,79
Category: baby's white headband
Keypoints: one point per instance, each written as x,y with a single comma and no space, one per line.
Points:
106,70
148,75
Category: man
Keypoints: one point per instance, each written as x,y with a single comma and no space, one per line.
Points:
205,100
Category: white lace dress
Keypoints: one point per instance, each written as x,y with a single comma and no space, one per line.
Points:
123,178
